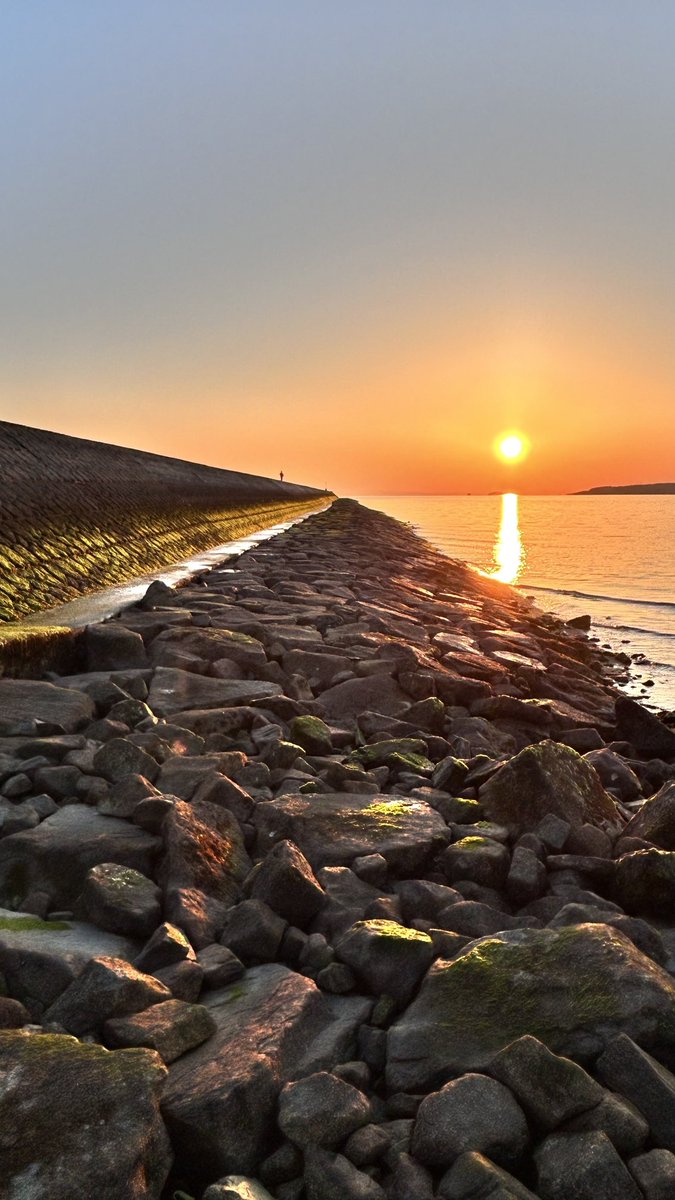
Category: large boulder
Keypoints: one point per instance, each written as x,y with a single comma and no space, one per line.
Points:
203,864
473,1113
285,881
209,645
388,958
121,900
635,724
272,1026
78,1120
376,693
172,690
56,856
645,881
336,828
107,987
39,959
655,820
27,700
573,988
543,779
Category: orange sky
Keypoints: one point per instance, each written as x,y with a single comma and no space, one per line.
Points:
344,241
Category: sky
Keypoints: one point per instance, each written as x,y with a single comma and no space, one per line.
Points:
354,241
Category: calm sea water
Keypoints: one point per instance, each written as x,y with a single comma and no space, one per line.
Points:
610,556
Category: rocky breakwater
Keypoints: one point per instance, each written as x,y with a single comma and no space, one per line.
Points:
340,874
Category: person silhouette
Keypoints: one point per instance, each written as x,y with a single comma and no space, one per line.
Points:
281,476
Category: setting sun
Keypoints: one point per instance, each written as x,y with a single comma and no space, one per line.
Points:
511,447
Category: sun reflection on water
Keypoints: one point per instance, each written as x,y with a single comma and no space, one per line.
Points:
508,551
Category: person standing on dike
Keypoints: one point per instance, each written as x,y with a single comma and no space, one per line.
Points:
281,476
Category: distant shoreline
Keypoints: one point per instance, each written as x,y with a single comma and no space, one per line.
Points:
630,489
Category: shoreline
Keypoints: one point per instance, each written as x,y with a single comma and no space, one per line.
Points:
317,840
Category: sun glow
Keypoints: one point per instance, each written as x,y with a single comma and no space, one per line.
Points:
508,551
511,447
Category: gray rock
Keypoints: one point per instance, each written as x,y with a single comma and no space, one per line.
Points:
410,1181
253,932
366,1145
168,945
635,724
124,797
183,979
387,957
479,859
120,758
517,983
272,1026
473,1112
655,1174
628,1069
625,1127
61,708
173,690
583,1165
321,1110
120,900
171,1028
56,1097
334,829
473,1177
655,820
645,881
332,1177
220,966
112,647
526,880
378,693
347,899
548,778
551,1089
285,881
615,773
57,855
107,987
210,645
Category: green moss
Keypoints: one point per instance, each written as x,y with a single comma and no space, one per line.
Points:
21,924
396,933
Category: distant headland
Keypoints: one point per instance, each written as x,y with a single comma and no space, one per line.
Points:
631,489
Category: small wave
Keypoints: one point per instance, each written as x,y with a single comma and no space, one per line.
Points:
531,587
652,633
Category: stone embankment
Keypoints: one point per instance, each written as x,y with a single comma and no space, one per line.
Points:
77,515
342,873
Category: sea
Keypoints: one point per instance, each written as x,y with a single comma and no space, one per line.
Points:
612,557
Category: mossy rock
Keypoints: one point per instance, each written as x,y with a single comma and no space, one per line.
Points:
312,734
574,988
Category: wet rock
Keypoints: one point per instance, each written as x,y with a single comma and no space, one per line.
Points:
387,957
107,987
57,855
60,709
473,1112
285,881
272,1026
551,1089
517,983
630,1070
171,1028
585,1165
120,900
321,1110
474,1177
55,1098
332,1177
334,829
548,778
